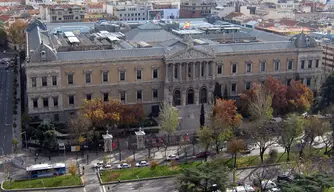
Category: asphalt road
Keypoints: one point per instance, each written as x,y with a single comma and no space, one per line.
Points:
6,110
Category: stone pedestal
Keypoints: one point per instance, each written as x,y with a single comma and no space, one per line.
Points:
107,138
140,139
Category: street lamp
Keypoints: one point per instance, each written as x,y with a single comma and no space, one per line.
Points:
43,185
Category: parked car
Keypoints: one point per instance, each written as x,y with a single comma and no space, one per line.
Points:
123,166
247,150
202,154
245,188
142,164
172,157
269,186
285,177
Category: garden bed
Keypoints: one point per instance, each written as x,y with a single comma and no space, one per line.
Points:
49,182
144,172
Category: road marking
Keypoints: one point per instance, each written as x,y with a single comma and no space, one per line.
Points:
102,189
84,189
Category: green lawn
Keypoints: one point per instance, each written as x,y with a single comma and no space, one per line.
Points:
59,181
144,172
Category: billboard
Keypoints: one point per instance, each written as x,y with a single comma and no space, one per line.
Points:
158,14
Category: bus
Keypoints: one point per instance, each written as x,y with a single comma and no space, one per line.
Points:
46,170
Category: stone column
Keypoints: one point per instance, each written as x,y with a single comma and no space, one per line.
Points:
213,69
184,97
200,70
206,74
173,64
166,95
187,71
180,72
197,97
166,78
209,99
193,70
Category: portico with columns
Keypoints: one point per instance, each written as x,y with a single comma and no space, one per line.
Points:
189,77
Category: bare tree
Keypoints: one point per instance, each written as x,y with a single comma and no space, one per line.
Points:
79,128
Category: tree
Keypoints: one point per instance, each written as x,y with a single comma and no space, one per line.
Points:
132,114
311,183
205,138
202,116
15,142
326,94
217,92
113,109
72,169
314,127
235,146
290,129
169,118
202,178
225,119
79,127
16,32
93,110
260,110
46,135
299,96
3,37
274,87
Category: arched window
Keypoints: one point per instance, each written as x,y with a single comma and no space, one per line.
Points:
190,96
203,97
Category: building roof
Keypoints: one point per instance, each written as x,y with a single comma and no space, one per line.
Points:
149,32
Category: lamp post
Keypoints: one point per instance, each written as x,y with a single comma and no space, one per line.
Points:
43,185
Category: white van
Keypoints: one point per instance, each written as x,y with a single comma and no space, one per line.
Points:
245,188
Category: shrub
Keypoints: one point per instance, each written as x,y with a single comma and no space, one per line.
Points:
273,154
173,163
114,176
153,164
72,169
105,159
129,160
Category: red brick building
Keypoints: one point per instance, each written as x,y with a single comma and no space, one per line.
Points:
196,8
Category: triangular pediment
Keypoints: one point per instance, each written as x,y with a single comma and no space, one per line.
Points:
190,54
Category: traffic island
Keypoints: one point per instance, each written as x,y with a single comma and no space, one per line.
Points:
144,173
58,182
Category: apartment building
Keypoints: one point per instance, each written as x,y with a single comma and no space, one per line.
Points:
196,8
182,71
127,11
62,13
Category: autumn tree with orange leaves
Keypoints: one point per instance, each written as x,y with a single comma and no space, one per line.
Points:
278,90
225,119
300,97
132,114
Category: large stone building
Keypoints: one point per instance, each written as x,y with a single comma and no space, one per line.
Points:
182,71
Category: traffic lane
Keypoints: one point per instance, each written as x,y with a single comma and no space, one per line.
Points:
6,107
161,185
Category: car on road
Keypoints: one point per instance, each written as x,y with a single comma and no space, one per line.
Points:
98,165
123,166
245,188
142,164
172,157
247,150
105,167
269,186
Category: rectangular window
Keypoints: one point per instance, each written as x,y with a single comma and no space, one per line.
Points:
234,68
317,63
276,65
248,85
155,73
220,69
105,96
189,71
139,94
54,80
44,81
138,74
71,99
290,65
34,82
45,102
105,77
56,117
309,64
55,101
202,70
35,103
155,93
88,77
308,82
248,67
234,87
122,97
263,66
70,79
302,65
89,97
122,75
175,72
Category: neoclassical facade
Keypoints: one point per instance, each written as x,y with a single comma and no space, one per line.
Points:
181,73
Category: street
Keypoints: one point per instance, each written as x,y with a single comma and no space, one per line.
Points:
6,109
